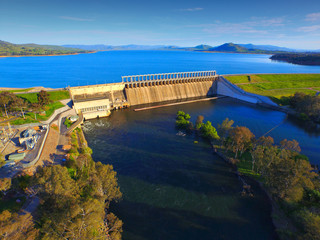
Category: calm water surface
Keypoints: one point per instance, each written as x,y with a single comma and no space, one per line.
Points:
108,67
176,189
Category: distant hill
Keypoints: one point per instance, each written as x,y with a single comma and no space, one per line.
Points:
229,47
268,48
10,49
102,47
298,58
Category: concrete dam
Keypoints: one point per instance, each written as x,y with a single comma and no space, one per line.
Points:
98,100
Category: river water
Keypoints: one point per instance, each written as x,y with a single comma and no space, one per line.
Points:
174,188
108,67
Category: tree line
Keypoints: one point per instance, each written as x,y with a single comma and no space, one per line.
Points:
9,102
287,174
74,200
306,105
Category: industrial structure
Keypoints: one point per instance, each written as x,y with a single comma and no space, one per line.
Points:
98,100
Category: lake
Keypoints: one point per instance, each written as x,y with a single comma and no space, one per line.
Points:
108,67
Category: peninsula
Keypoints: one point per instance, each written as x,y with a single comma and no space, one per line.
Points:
18,50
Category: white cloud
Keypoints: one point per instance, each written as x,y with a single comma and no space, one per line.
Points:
266,22
313,17
191,9
76,19
312,28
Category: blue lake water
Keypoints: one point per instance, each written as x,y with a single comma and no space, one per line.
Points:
108,67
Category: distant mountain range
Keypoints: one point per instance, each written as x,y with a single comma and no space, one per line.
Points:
279,53
102,47
227,47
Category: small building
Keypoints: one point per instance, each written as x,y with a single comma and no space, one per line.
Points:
16,156
73,118
92,108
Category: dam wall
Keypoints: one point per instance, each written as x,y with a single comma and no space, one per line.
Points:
169,92
226,88
98,100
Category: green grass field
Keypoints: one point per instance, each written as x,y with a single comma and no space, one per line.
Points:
276,86
54,96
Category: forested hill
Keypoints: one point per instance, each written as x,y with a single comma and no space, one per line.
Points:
10,49
235,48
298,58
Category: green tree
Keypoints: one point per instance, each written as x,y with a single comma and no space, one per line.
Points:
43,98
182,121
241,138
208,131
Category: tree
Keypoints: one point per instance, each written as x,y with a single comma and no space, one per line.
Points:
18,103
114,227
224,128
241,138
258,148
43,98
199,122
75,205
109,186
290,145
5,185
16,227
182,121
208,131
5,98
288,177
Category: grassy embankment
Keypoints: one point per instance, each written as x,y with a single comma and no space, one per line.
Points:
278,86
55,97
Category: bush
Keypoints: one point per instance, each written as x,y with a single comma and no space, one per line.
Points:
182,121
68,123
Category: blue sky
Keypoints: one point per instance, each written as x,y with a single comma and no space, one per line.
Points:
286,23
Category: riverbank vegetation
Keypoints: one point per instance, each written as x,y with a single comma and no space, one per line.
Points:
307,106
73,200
286,175
30,107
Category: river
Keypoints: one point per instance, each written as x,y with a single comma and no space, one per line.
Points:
174,188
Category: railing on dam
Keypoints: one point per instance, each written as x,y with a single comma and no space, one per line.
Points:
167,78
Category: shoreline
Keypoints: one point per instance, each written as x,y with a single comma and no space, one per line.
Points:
280,225
51,55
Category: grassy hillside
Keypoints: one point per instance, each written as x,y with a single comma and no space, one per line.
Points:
9,49
276,86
